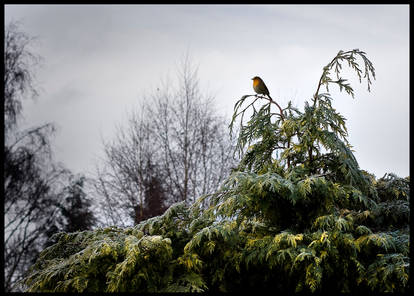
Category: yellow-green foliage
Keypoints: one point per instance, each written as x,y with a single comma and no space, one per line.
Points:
297,215
115,260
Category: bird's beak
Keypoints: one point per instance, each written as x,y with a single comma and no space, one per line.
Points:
252,78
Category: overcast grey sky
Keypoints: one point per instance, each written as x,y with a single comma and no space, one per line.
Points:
100,59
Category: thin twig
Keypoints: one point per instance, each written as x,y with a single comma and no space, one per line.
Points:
274,102
247,106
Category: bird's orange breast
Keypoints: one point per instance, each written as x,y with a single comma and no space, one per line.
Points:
256,82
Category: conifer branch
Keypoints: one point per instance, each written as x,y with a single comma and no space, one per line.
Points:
348,56
269,98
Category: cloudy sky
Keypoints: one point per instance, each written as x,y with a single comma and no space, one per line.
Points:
99,61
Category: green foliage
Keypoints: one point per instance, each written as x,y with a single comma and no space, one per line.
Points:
297,215
118,260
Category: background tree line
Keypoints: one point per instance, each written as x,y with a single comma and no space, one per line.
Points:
175,147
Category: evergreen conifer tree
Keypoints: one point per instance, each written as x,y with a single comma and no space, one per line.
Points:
298,214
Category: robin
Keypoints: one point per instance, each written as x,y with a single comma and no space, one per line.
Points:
259,86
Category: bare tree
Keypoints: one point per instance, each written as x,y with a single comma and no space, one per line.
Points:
177,141
29,187
31,179
196,151
127,169
19,63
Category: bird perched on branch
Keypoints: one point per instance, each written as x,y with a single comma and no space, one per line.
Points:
259,86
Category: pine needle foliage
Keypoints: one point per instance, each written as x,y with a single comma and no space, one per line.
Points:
298,214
